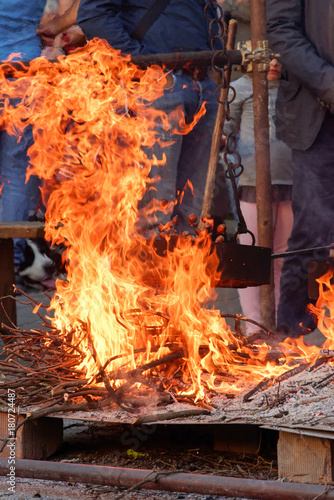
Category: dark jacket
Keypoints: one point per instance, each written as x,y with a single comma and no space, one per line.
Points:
302,32
181,27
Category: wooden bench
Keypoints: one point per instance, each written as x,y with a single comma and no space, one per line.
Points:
8,231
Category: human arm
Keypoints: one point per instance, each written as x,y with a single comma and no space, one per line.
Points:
101,18
50,10
286,33
239,9
60,23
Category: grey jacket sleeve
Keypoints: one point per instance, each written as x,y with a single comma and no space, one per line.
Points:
286,33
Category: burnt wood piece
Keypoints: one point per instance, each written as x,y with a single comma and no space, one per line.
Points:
160,417
264,384
291,373
118,374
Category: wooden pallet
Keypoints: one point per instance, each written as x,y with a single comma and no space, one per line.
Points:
304,455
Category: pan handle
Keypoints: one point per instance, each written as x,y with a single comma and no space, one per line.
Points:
303,251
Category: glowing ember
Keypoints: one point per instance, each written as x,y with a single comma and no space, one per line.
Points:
125,304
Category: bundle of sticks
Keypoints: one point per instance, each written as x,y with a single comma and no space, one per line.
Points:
41,366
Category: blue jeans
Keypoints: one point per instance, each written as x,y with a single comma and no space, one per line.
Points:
187,156
313,209
18,198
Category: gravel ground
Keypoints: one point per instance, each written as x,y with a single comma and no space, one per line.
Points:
52,490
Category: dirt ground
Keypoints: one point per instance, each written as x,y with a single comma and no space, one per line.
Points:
49,490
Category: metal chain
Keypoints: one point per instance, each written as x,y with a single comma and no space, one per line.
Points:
232,158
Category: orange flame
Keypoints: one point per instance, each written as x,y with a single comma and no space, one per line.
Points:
124,301
324,308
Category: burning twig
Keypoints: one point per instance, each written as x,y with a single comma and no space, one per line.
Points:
111,392
134,373
292,373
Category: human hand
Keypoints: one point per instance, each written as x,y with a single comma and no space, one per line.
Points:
222,142
49,30
52,53
73,37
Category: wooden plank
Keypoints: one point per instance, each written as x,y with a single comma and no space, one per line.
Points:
8,306
35,440
21,230
8,231
305,459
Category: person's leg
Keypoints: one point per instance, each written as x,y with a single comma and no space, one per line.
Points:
168,144
196,148
313,208
187,155
282,227
250,296
18,198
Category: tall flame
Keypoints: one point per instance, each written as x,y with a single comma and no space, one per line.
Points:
124,301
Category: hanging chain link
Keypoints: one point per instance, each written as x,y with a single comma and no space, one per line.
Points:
232,158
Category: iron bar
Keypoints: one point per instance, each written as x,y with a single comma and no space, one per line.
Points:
302,251
262,159
172,60
180,482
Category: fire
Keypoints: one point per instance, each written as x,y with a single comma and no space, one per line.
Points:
324,308
128,300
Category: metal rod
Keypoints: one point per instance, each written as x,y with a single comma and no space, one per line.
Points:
262,160
172,61
188,59
302,251
180,482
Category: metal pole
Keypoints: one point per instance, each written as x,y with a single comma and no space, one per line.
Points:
186,483
262,158
171,61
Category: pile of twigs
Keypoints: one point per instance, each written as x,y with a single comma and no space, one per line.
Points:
41,366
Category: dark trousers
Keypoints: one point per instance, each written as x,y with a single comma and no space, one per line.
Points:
313,209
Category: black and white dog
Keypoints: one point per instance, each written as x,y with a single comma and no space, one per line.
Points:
42,264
